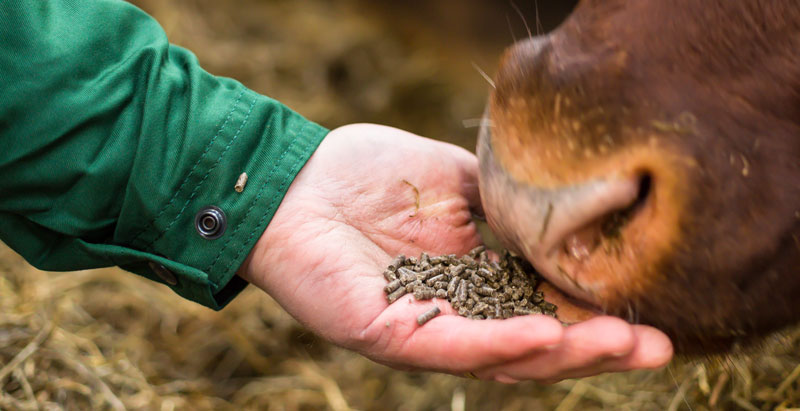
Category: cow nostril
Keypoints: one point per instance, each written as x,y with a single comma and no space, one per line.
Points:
613,222
605,230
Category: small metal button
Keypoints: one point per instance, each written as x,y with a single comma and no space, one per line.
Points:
210,222
163,273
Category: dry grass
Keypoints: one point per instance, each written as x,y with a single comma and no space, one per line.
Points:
105,339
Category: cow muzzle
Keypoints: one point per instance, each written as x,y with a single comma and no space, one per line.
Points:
572,234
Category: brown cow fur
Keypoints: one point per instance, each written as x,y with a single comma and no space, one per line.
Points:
703,97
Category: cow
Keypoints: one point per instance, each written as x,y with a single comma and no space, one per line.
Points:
645,157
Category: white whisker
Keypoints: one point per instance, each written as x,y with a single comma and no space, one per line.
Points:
484,75
477,122
630,313
539,27
511,29
514,5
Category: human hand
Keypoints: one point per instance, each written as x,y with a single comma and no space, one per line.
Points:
370,193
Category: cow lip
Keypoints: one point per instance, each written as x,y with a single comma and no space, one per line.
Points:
570,309
576,300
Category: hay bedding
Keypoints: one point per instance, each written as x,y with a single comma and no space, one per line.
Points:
105,339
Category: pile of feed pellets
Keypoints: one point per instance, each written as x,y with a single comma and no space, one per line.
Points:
476,287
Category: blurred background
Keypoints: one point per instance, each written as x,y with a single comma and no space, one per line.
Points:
106,339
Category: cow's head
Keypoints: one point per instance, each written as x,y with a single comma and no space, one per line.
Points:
645,156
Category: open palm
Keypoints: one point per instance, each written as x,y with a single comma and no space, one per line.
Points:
370,193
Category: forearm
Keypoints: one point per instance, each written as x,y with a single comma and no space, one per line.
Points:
113,140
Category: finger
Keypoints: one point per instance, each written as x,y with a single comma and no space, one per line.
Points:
455,344
585,345
653,350
468,175
471,192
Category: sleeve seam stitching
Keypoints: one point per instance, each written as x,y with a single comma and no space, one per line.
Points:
191,172
202,180
281,188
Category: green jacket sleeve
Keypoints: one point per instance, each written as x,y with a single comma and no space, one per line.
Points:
116,148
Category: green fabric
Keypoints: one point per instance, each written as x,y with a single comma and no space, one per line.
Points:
111,140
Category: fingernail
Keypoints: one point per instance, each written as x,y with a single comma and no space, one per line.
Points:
505,379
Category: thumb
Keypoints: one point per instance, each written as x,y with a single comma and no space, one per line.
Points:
468,176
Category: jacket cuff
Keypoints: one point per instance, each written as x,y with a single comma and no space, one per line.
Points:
196,238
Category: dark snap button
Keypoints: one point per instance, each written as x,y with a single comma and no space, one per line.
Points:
163,273
210,222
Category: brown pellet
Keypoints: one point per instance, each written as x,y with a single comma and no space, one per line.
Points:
392,286
469,261
462,290
491,300
424,293
485,290
527,291
455,270
424,258
479,308
526,311
395,295
428,315
467,274
406,275
485,273
433,280
425,275
389,275
451,287
472,294
397,262
477,250
475,286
